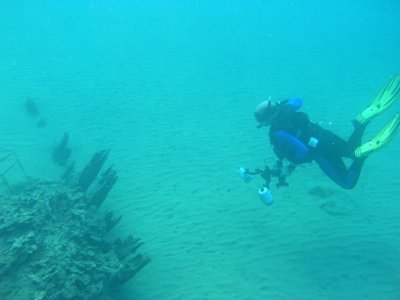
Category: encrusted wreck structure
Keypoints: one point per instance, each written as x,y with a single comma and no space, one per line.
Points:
53,240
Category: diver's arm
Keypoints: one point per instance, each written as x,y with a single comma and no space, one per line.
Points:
289,147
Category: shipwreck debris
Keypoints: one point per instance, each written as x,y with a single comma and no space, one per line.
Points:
33,111
31,107
62,152
10,162
92,169
54,242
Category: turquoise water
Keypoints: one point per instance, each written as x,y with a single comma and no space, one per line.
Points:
170,87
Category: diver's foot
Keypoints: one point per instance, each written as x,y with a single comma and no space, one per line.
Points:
357,124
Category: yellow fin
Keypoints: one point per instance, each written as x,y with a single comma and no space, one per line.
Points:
381,139
385,98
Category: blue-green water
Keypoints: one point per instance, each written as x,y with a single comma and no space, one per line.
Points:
171,86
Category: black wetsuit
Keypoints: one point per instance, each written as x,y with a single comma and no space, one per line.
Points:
299,140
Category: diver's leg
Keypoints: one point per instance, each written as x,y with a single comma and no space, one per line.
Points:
332,145
343,148
336,170
355,139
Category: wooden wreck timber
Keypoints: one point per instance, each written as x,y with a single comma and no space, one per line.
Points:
53,243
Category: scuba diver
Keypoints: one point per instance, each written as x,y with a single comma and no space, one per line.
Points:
298,140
